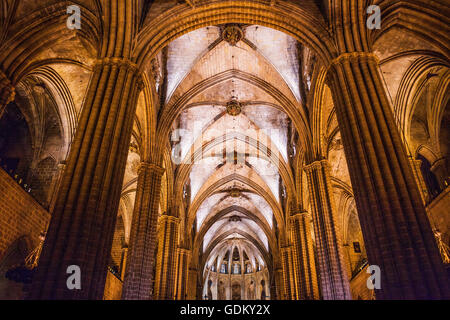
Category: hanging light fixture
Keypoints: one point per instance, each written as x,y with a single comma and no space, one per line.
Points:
24,272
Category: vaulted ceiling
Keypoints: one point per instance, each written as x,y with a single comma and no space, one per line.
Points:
233,167
232,138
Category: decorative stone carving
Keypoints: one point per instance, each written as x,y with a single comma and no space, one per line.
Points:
39,88
235,219
134,147
234,108
156,71
235,193
232,34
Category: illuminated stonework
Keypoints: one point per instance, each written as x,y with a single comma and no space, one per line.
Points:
232,34
235,193
234,108
188,149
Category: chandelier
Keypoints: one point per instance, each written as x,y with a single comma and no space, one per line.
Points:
24,272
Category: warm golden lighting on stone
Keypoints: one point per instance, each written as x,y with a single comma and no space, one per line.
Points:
224,150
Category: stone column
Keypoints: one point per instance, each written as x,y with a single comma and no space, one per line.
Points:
415,166
123,263
138,281
7,92
166,258
333,274
55,185
439,168
82,225
288,274
182,279
193,291
273,289
303,257
396,230
279,284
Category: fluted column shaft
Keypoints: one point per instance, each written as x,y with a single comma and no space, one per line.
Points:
396,230
192,293
288,273
333,275
166,258
415,166
55,186
123,263
439,168
7,92
279,283
182,279
303,257
83,220
138,281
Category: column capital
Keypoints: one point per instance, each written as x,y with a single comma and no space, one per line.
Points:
286,248
184,251
111,61
354,56
148,166
62,165
299,215
169,219
319,164
122,62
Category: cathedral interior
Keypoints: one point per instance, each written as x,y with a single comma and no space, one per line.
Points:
224,150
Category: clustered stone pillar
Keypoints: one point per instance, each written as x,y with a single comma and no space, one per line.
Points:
182,279
7,92
279,283
55,185
166,258
83,220
123,262
138,281
193,292
439,168
415,166
288,273
333,275
303,257
396,230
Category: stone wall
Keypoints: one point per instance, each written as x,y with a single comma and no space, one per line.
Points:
20,214
439,214
358,286
113,288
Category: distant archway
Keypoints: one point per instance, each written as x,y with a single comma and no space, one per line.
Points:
236,291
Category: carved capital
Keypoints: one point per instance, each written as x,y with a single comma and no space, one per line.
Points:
286,249
184,251
120,62
169,219
151,167
299,215
316,165
354,57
